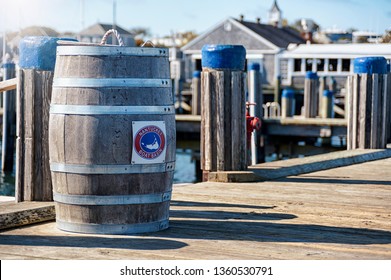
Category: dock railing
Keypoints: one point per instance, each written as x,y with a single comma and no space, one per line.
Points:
8,84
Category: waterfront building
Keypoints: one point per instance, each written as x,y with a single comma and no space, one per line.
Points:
328,60
263,43
94,34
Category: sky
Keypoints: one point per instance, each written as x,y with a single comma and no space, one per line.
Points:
164,17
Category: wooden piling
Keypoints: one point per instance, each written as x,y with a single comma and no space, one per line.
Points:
9,121
32,178
277,89
288,103
326,109
368,114
196,93
223,123
311,96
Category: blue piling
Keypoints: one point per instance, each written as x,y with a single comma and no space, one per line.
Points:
232,57
39,52
223,110
370,65
288,103
327,108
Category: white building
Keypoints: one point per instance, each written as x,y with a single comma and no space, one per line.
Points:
328,60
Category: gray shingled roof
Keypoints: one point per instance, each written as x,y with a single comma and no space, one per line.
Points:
281,37
252,35
101,29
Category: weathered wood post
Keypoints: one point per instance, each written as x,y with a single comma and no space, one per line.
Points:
255,96
311,96
196,93
369,104
277,89
388,119
288,103
9,121
327,104
322,87
37,59
223,122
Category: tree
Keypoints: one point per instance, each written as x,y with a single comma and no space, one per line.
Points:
300,26
188,36
140,34
387,36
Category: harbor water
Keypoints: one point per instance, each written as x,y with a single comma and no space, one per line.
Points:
184,173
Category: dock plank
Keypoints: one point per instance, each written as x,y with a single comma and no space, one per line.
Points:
339,213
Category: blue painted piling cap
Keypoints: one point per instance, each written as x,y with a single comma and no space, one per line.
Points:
311,75
38,52
231,57
328,93
254,66
370,65
197,74
388,67
9,65
288,93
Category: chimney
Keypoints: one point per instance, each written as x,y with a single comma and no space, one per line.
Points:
258,20
241,18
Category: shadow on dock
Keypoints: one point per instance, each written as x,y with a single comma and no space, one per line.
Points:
252,226
273,232
91,242
327,180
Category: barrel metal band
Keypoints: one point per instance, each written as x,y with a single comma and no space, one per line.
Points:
110,110
111,51
113,82
111,199
111,168
113,228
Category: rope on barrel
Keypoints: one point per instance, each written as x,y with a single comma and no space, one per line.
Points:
115,32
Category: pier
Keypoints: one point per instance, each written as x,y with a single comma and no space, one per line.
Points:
119,205
303,213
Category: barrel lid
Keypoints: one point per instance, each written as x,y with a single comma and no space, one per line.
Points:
370,65
77,48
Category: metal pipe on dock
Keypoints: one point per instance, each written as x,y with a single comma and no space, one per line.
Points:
255,96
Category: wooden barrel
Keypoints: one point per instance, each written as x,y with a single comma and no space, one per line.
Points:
112,139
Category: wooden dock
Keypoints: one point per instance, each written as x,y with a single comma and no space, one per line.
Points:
338,213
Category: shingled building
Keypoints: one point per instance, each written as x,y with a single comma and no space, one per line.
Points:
263,43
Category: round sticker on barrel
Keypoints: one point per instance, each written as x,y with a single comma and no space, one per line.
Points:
149,142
